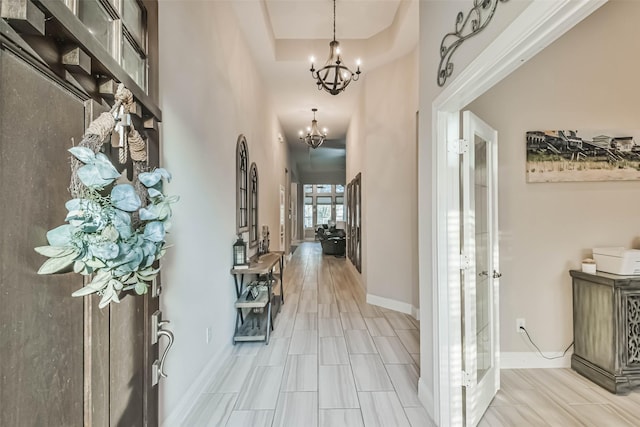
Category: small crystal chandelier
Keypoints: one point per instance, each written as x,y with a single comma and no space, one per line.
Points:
334,77
314,138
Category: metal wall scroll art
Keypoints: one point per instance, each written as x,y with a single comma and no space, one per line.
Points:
467,26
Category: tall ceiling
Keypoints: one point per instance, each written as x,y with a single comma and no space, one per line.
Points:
284,34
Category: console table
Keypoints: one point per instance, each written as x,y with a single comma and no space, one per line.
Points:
606,329
257,323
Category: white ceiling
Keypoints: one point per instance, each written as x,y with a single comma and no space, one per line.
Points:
283,34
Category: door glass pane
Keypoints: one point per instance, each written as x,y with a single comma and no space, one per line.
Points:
308,212
134,64
324,188
97,21
323,214
339,188
308,188
484,275
132,17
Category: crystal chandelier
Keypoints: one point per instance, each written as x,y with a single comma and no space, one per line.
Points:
334,77
314,138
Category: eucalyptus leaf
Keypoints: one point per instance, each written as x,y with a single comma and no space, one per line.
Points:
149,213
154,231
95,263
131,280
98,283
61,236
105,167
78,267
84,154
87,215
153,193
87,290
149,179
165,211
77,204
124,197
107,296
129,262
101,279
122,222
110,233
117,285
149,248
104,250
148,274
54,251
90,176
55,265
141,288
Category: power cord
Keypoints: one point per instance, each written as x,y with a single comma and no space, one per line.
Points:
539,351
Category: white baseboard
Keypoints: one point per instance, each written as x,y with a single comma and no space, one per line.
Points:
426,398
198,387
533,360
395,305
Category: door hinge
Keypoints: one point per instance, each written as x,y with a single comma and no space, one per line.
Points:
459,146
465,262
466,380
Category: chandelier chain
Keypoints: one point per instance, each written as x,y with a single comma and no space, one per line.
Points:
334,20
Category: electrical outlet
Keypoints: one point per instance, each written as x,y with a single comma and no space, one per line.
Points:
208,335
520,324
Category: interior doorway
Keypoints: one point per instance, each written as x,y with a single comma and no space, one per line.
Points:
479,271
539,25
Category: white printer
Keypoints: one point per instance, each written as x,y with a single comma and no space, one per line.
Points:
617,260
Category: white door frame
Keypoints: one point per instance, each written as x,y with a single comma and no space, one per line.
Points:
539,25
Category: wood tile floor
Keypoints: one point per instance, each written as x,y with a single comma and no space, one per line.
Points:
558,397
333,360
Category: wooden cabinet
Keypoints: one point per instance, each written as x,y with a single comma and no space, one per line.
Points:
606,329
254,315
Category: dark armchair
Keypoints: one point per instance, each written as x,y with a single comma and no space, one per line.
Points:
334,242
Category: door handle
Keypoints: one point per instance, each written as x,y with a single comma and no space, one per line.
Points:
496,275
168,334
157,332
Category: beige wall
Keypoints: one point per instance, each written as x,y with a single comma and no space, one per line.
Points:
210,93
391,184
355,164
585,80
381,144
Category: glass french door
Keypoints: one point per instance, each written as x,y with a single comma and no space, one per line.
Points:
481,276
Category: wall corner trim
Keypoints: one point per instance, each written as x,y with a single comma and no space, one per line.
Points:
533,360
426,398
198,386
392,304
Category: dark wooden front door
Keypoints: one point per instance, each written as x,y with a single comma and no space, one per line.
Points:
63,361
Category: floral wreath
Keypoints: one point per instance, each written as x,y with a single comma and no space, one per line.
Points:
115,230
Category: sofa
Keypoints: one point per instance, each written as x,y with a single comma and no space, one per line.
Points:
333,241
